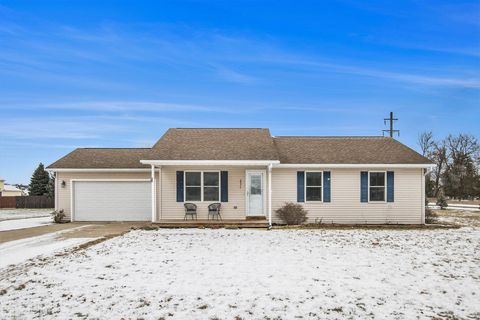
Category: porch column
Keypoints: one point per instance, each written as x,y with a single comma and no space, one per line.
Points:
154,194
270,195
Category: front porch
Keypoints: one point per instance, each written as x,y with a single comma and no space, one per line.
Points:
175,223
242,187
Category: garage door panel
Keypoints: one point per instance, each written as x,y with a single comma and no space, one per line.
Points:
112,200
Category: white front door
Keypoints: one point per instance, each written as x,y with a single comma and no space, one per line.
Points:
255,193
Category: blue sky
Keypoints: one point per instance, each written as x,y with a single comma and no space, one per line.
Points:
119,73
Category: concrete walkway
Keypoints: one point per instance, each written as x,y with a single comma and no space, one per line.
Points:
90,230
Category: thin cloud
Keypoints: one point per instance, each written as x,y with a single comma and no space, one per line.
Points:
387,75
125,106
58,128
236,77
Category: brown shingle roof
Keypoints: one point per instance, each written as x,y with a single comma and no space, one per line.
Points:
246,144
215,144
103,158
346,150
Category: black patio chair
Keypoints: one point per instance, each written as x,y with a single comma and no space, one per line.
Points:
214,211
190,210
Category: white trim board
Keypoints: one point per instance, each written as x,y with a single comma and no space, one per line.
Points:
210,162
275,163
99,170
341,165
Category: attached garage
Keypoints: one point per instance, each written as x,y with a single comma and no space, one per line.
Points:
111,200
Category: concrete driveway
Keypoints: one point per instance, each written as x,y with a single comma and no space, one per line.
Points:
88,230
22,245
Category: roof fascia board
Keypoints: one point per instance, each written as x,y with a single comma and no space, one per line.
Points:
353,165
98,170
210,162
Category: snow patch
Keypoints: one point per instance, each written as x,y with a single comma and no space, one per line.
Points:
18,251
25,223
12,214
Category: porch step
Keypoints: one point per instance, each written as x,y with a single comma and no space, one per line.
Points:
255,218
210,224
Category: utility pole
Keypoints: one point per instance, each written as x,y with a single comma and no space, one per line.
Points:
390,131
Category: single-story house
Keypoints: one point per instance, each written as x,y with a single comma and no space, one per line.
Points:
7,190
352,180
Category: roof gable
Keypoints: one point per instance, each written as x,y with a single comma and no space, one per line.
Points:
346,150
215,144
102,158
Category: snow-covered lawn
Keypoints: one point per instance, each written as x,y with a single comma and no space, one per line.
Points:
25,223
12,214
255,274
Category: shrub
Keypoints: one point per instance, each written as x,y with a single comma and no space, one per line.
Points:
292,213
442,202
58,216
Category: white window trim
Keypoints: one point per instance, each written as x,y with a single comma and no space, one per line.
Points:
384,187
201,186
305,186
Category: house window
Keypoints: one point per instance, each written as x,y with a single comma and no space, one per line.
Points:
313,186
377,185
193,186
202,186
211,186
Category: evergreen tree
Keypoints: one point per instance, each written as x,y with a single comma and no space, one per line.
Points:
39,181
51,186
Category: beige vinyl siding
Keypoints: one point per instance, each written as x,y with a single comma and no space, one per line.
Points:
63,193
345,205
234,209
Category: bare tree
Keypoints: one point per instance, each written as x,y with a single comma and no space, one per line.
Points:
440,158
462,145
461,172
457,160
426,142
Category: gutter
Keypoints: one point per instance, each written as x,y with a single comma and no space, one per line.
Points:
210,162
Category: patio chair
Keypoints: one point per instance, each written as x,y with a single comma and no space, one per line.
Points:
214,211
190,210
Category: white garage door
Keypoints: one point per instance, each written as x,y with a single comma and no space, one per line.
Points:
112,201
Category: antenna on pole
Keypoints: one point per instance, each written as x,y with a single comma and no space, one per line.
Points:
390,131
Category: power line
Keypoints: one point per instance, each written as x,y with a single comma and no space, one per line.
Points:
390,131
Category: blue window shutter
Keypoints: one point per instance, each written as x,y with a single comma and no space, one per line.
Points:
300,186
364,186
326,186
224,184
390,188
179,186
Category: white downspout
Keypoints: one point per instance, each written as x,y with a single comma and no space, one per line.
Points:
154,195
159,192
424,175
270,196
55,186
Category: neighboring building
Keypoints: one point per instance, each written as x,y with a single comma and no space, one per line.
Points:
7,190
355,180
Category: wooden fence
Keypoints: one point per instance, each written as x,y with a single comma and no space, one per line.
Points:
8,202
30,202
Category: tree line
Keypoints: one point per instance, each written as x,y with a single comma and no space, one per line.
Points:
457,160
